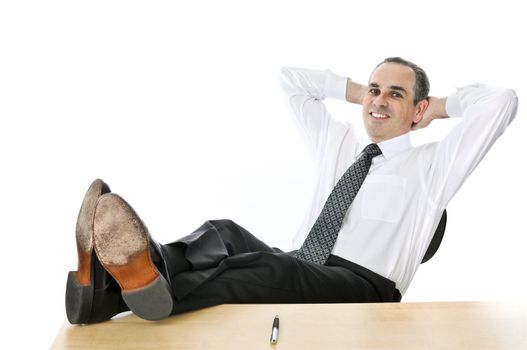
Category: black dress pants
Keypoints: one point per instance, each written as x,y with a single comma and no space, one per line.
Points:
222,263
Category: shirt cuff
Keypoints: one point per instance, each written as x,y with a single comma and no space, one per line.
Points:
335,86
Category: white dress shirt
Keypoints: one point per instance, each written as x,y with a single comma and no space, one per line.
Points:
393,218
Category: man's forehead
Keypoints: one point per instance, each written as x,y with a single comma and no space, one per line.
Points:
393,74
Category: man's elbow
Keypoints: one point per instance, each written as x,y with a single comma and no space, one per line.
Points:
509,99
504,102
512,97
507,96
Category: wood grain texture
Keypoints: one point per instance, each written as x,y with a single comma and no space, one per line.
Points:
444,325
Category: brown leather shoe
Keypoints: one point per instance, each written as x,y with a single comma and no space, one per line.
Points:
92,295
125,249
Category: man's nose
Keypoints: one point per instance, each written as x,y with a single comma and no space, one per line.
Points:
380,100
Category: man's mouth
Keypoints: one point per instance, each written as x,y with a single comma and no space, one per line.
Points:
379,115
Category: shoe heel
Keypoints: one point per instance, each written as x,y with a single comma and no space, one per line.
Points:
78,300
151,302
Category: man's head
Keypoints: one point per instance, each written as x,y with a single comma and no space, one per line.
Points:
397,97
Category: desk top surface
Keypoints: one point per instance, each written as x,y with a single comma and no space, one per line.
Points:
438,325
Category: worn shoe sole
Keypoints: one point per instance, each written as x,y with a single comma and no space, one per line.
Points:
80,284
122,244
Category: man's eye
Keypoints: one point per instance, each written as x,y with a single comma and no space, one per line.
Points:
396,94
374,91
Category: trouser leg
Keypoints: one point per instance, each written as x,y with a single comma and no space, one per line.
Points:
208,245
264,277
193,259
227,264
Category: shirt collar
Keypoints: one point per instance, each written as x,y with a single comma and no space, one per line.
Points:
394,145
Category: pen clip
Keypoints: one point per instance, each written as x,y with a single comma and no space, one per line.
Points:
274,330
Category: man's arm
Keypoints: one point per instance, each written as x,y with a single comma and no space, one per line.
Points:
355,92
436,110
485,113
306,90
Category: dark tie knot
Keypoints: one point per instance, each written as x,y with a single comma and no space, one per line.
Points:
372,150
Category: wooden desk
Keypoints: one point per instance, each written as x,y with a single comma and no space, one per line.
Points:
452,325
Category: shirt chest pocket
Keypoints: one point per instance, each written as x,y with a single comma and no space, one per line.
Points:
383,197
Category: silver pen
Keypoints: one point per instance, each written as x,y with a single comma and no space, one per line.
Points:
274,331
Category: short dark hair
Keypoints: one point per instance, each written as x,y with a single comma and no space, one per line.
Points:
422,85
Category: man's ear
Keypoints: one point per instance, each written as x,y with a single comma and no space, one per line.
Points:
420,110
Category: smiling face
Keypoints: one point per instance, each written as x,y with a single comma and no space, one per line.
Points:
388,107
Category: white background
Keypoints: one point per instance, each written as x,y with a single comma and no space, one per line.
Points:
177,106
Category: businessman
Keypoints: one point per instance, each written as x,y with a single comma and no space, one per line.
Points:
375,208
